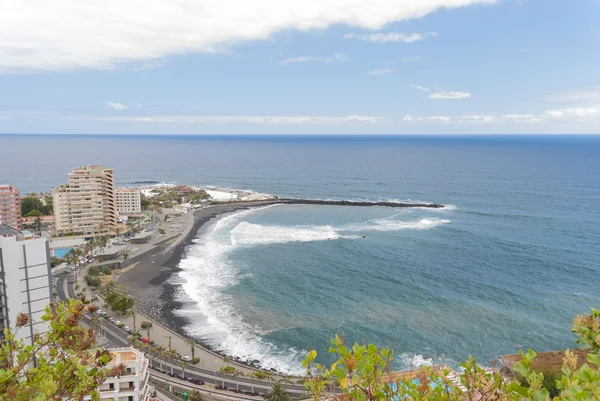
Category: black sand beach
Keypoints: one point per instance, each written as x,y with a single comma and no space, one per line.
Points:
148,282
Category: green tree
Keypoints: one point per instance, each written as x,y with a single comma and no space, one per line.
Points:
33,213
195,396
277,393
146,325
67,366
144,202
30,203
192,345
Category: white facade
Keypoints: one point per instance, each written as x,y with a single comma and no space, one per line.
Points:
133,385
86,202
25,283
129,202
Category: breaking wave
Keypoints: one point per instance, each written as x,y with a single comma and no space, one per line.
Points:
207,272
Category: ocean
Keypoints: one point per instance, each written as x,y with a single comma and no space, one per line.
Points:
507,264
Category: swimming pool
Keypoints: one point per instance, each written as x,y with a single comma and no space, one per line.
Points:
61,252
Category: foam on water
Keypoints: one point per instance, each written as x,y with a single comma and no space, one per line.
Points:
206,272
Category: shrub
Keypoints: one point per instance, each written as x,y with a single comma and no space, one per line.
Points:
92,281
107,270
94,271
161,231
195,360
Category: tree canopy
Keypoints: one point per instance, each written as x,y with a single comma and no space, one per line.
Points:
362,373
60,364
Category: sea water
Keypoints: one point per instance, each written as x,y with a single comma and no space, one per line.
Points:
505,265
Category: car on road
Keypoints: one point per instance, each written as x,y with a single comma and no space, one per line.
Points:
196,381
117,322
100,312
186,358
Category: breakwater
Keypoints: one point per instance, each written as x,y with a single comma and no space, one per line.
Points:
358,203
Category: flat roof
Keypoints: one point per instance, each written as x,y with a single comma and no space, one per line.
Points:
112,250
143,235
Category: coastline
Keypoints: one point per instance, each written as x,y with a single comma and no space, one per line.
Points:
148,281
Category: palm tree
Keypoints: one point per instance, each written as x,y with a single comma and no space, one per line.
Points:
182,366
223,372
131,312
147,326
192,345
276,393
160,351
171,354
234,374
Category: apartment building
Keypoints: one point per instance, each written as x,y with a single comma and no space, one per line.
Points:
133,385
129,202
25,281
10,206
86,205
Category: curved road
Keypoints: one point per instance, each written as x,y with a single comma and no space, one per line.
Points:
119,337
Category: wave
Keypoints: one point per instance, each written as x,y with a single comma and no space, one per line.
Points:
256,234
206,273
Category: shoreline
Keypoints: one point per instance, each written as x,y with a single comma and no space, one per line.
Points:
148,281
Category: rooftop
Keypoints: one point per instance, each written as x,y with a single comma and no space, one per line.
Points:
112,250
8,231
142,235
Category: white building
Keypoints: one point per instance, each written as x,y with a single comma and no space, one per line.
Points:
25,282
86,203
129,202
133,385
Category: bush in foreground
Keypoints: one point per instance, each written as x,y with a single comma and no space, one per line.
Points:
362,374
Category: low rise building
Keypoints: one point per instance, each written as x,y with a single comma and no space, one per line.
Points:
129,202
133,384
112,253
25,281
10,206
143,237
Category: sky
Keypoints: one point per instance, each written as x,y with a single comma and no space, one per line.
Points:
300,66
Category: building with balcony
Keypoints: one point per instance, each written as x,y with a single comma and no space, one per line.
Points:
131,386
86,205
10,206
129,202
25,282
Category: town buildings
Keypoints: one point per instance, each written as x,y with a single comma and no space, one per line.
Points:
129,202
25,281
86,205
131,386
10,206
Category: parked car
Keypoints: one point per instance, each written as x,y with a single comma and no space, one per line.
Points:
126,328
117,322
111,319
197,382
186,358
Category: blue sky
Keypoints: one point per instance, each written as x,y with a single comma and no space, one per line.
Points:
300,67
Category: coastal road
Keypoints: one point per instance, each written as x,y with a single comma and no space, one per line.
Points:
119,338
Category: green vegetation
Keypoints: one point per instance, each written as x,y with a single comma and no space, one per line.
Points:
362,374
115,299
54,261
67,365
195,360
276,393
197,197
92,281
145,203
162,231
96,271
32,206
147,326
126,256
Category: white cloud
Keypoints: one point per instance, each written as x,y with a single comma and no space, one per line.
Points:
575,114
419,87
409,59
577,95
390,37
307,59
450,95
39,35
116,106
380,72
227,119
138,105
